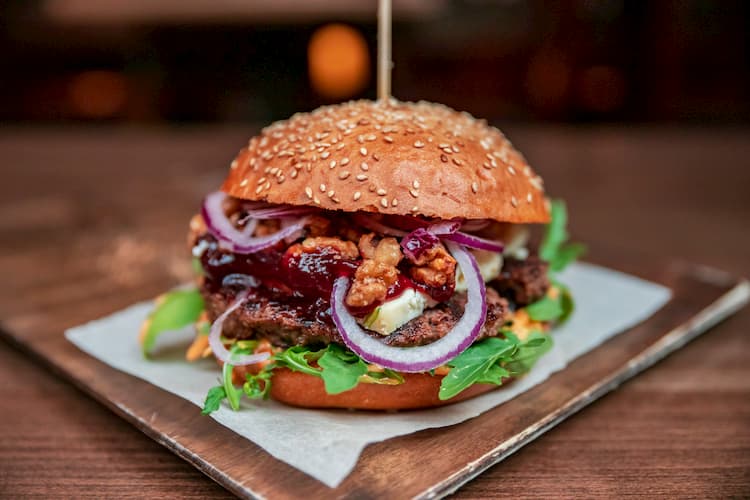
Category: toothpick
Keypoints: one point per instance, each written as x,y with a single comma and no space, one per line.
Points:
384,50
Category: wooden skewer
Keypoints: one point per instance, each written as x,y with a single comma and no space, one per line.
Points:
384,50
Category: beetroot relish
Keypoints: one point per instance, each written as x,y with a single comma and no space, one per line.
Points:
302,281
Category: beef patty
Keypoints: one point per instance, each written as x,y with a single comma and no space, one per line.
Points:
288,323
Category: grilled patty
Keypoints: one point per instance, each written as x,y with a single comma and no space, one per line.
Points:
289,323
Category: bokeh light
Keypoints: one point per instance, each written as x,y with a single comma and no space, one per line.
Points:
97,94
338,61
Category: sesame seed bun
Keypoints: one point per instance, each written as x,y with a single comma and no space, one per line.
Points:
390,157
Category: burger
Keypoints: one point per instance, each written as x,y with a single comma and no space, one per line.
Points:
372,255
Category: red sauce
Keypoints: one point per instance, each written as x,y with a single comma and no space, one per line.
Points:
303,281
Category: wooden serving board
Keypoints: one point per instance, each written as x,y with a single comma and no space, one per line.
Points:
427,464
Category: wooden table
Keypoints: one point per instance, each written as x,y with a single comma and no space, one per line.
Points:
123,197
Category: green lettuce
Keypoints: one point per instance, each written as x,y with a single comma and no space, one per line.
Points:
174,310
492,361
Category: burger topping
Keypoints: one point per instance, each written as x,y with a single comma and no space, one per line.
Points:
421,358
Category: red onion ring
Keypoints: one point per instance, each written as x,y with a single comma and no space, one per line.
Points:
472,241
217,347
241,242
421,358
279,212
475,225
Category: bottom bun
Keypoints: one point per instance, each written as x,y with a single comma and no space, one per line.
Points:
419,390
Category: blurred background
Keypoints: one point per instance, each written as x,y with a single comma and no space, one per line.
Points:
145,61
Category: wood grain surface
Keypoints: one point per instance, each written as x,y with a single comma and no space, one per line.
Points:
93,220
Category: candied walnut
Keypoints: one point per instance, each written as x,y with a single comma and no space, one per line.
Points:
349,233
347,249
367,245
266,227
318,226
435,267
387,250
371,282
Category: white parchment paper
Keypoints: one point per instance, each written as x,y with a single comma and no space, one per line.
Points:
327,444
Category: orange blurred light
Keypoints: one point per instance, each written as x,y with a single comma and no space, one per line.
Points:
338,61
601,88
548,80
97,94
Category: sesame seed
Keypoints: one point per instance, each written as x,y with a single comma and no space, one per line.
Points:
384,202
322,188
513,201
309,192
261,180
455,149
487,165
474,187
243,183
332,164
331,193
415,183
268,185
394,203
363,151
382,192
324,155
371,137
415,208
357,195
344,174
418,144
234,164
361,177
528,197
294,174
375,157
340,146
258,189
414,193
511,170
316,200
444,158
456,161
345,161
443,145
388,139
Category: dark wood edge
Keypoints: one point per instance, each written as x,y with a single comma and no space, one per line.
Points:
728,304
215,474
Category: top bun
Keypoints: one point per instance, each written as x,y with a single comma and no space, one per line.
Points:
390,157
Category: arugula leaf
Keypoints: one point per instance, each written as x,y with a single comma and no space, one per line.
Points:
556,233
233,394
258,386
536,345
295,358
491,361
213,399
174,310
554,248
341,369
566,302
474,364
545,309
